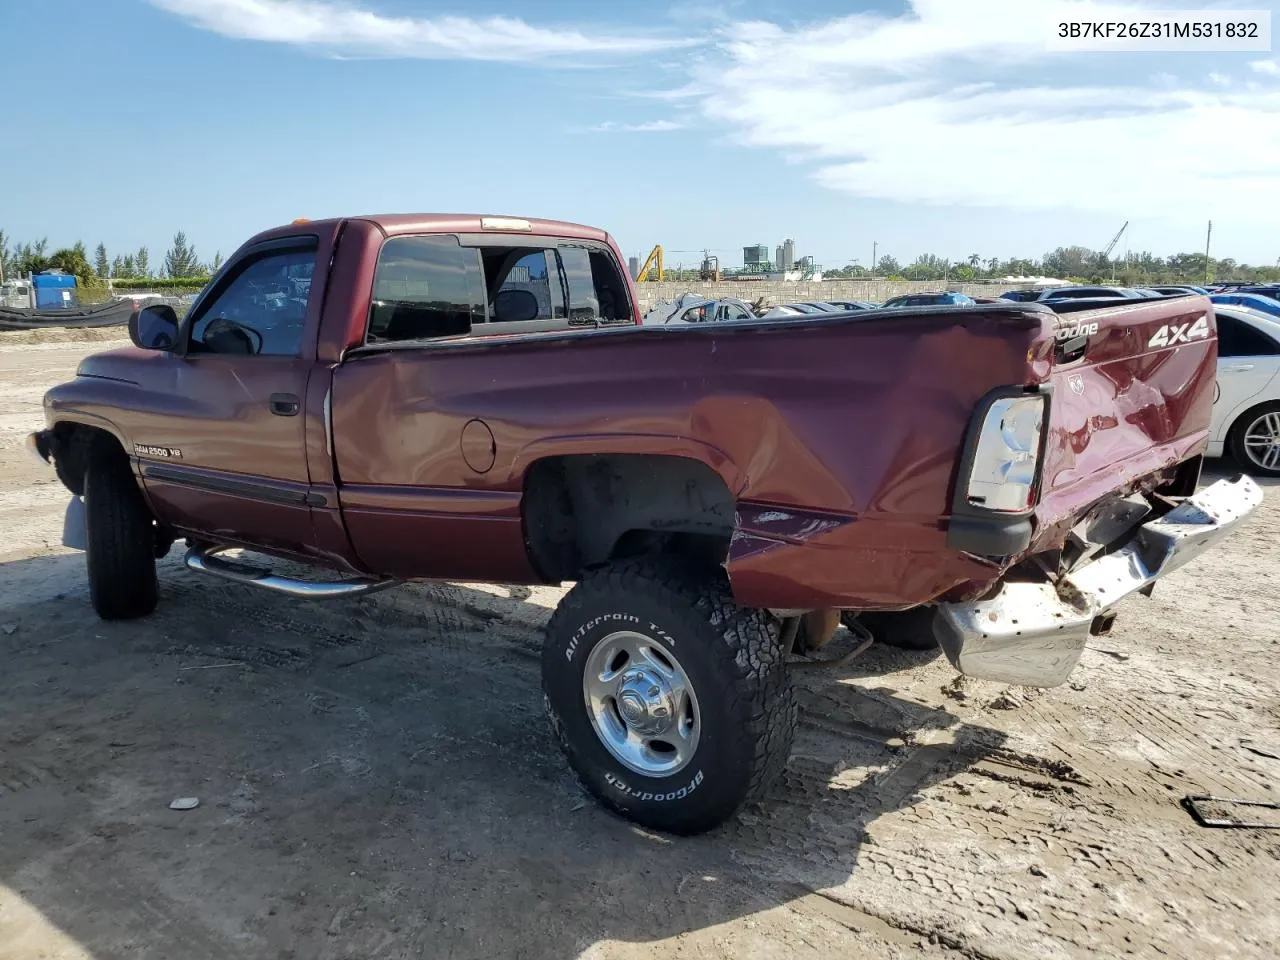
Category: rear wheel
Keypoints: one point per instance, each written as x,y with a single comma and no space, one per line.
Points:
671,704
1255,440
120,551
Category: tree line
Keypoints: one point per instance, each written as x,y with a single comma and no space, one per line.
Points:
1067,263
1076,263
180,262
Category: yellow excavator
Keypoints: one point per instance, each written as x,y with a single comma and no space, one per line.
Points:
652,263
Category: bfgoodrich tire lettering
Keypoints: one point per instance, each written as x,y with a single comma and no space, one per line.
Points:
732,659
120,552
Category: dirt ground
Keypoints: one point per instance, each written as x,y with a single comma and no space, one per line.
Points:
376,779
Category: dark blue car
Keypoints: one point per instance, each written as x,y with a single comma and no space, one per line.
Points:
1271,290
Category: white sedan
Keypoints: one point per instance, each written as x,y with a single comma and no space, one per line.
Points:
1246,409
693,308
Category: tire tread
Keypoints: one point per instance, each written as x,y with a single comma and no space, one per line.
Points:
120,552
749,658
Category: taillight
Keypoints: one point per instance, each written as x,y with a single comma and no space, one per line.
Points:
1003,474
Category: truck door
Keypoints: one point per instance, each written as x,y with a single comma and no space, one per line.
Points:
223,451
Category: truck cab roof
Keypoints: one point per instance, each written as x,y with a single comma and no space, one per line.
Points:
398,224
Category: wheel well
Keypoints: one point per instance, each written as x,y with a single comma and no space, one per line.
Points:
1238,423
1234,438
75,444
583,511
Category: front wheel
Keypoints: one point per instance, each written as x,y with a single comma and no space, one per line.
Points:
1255,440
120,549
671,704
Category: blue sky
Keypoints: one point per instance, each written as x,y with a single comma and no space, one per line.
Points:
941,126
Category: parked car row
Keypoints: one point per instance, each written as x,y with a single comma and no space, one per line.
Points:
1246,415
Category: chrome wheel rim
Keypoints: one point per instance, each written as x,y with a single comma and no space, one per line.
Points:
1262,441
641,704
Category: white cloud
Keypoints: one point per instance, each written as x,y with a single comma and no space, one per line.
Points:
651,126
948,103
966,103
342,27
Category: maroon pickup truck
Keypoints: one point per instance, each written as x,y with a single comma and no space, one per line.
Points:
473,398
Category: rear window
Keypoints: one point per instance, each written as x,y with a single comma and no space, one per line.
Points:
426,287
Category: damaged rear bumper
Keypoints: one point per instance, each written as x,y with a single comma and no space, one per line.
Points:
1034,633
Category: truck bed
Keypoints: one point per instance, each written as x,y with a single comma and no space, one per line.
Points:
836,436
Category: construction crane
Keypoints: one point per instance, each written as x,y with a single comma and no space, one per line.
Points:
1106,254
709,269
653,261
1114,240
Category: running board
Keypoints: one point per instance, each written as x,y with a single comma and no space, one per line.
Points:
205,559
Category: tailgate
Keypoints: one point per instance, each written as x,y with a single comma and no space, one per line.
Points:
1132,395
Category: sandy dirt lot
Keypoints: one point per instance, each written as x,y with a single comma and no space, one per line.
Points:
376,779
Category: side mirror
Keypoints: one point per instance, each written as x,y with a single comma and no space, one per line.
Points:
515,306
154,327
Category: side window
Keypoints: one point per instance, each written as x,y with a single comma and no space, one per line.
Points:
610,290
584,305
734,312
425,287
1237,339
262,310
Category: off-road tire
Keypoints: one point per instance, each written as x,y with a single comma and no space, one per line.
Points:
904,629
1235,439
746,708
120,549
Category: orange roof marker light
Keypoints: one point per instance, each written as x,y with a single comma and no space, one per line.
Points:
302,220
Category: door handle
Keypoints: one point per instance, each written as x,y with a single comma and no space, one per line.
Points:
284,404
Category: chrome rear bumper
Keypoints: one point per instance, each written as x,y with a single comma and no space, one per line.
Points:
1034,633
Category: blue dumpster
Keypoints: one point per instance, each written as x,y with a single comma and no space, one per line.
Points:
55,291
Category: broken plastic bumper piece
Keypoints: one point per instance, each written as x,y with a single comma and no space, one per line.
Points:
1034,633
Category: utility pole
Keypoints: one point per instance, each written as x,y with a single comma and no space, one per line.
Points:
874,261
1208,234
